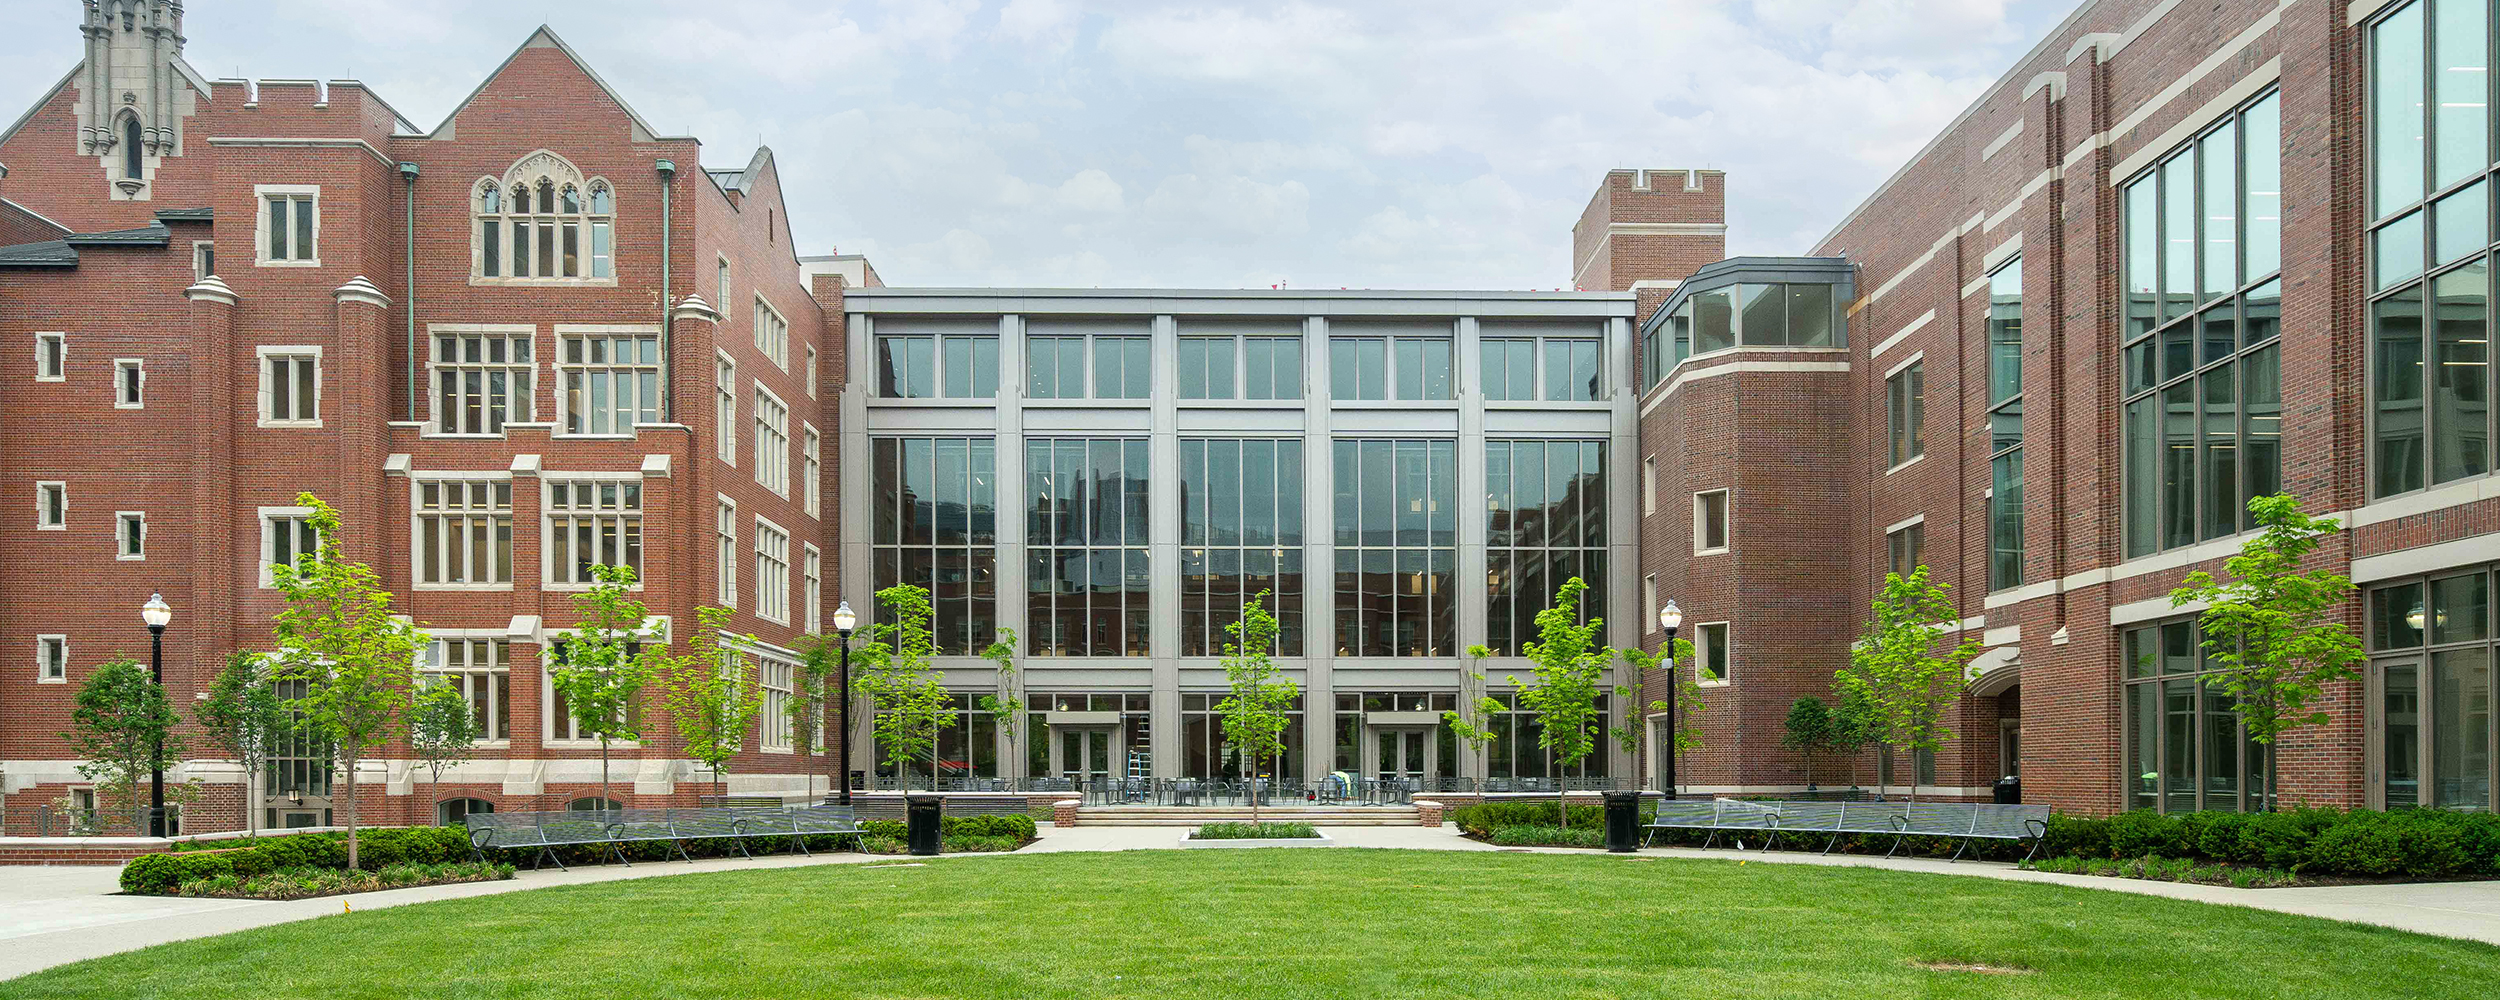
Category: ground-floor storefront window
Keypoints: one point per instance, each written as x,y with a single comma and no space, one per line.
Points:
2186,748
2429,692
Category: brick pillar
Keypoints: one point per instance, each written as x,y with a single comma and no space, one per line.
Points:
1063,813
213,527
358,397
696,333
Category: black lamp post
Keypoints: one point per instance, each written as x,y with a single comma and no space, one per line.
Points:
844,621
1670,618
157,614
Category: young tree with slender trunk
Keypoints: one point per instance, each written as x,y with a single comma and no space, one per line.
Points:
809,706
242,717
604,663
1688,705
1897,669
441,728
1003,704
2272,627
356,659
710,693
909,701
1808,730
122,729
1570,670
1255,714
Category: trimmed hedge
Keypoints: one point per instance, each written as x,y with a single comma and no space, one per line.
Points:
1018,827
246,857
1483,818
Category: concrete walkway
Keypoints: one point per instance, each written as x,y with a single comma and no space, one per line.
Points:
52,916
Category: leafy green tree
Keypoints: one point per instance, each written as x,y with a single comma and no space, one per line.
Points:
909,700
1004,705
1254,715
811,704
1809,730
1853,729
441,729
355,659
1907,683
1570,668
242,717
121,726
1688,703
710,693
2273,629
603,664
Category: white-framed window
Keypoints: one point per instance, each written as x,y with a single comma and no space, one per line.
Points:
811,468
610,378
592,522
777,679
285,533
725,526
810,352
772,333
543,223
130,534
1709,522
720,287
812,588
772,441
288,225
130,383
52,506
463,533
480,668
560,726
203,259
1649,604
1649,485
772,572
290,386
1713,660
483,378
725,406
52,659
51,356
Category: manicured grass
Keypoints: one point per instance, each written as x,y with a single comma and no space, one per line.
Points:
1294,924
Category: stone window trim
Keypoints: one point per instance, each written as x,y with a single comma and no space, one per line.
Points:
772,571
130,383
270,520
52,658
437,364
548,513
1649,485
263,354
725,406
1704,644
656,628
203,259
45,491
305,197
1901,434
52,351
720,290
568,371
130,545
772,332
725,530
776,684
455,509
1703,515
772,441
810,351
811,469
499,643
494,202
811,596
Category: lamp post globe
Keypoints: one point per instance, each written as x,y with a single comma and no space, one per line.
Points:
1670,618
157,614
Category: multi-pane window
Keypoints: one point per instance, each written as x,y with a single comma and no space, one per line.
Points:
1245,365
611,382
464,532
2005,425
1709,521
481,670
725,406
561,725
1905,413
1906,547
812,589
1524,363
1397,546
720,284
772,572
812,469
1545,523
937,363
483,381
2186,749
1241,533
130,379
51,356
1057,365
1376,361
2203,389
2431,418
290,221
52,505
725,539
772,442
1515,750
1085,546
778,679
1713,657
1764,315
130,535
544,222
1205,754
2430,693
290,387
286,534
811,371
772,333
592,523
51,657
1672,329
934,524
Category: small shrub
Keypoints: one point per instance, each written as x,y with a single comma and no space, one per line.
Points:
1549,836
1256,831
971,843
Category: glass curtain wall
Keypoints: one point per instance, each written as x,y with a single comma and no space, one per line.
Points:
2430,685
2005,426
1241,533
1514,751
934,525
1204,754
1397,547
1085,546
1545,523
2186,748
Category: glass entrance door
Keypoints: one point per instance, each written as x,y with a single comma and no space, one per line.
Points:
1404,753
1084,753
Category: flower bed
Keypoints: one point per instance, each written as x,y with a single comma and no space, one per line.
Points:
305,883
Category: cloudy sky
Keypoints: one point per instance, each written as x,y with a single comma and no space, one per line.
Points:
1362,143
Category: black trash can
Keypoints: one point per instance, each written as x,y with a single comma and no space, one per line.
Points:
1623,821
925,818
2009,791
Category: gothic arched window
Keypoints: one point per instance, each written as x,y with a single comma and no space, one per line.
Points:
132,166
548,235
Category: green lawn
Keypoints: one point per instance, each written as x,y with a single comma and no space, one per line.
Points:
1288,924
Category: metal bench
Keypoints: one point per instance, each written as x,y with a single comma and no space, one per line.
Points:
1963,821
1715,816
547,831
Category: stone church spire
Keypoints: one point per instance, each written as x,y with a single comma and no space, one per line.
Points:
132,97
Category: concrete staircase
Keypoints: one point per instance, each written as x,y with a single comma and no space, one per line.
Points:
1197,815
